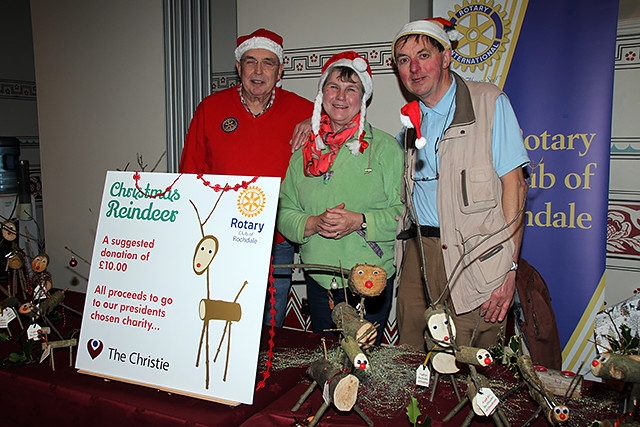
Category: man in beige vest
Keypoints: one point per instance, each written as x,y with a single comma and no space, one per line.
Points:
465,193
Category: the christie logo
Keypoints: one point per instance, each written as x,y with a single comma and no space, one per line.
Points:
137,359
94,347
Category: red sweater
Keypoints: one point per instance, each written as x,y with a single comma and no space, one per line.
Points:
225,139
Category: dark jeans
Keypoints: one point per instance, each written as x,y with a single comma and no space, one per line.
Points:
376,308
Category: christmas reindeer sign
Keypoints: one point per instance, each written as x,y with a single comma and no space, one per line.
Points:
177,283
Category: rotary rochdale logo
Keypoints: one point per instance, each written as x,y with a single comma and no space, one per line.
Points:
251,201
229,124
484,32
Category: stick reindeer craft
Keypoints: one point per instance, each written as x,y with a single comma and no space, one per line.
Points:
555,413
208,309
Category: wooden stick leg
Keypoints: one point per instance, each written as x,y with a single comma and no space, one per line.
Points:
496,420
304,396
436,378
467,421
532,417
18,317
503,417
70,355
452,378
53,364
363,415
53,328
319,414
456,409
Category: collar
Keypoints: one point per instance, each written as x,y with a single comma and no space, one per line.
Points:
442,107
269,104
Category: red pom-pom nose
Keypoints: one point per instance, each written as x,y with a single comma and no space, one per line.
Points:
595,363
368,284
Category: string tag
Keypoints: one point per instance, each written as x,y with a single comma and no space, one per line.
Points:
7,315
423,376
485,402
45,352
33,332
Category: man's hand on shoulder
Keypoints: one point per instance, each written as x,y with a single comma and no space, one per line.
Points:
300,134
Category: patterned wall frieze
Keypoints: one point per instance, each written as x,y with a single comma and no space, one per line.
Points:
223,80
625,147
627,52
17,89
623,230
306,63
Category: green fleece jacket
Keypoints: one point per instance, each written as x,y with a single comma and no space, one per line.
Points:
368,183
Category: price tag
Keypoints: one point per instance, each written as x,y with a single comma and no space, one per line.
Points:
46,352
423,376
7,315
485,402
33,332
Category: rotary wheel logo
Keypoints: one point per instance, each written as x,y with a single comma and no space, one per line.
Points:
251,201
484,32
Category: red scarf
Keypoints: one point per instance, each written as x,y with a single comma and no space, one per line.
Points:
316,162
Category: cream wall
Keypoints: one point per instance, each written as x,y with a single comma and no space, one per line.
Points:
100,77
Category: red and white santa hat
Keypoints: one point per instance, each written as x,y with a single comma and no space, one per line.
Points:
440,29
260,39
410,116
361,66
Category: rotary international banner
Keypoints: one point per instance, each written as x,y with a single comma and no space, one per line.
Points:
178,282
555,61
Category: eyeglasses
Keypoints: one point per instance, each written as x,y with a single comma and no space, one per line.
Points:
265,63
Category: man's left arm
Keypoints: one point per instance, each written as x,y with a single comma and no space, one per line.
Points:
514,193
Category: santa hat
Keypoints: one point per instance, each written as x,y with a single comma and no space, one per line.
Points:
438,28
260,39
410,116
362,68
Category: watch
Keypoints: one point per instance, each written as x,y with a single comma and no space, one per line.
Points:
363,226
514,266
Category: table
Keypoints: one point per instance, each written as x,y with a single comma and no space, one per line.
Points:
34,394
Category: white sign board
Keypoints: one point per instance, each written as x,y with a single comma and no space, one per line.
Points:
178,282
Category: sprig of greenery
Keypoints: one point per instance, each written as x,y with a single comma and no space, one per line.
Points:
506,354
413,412
624,343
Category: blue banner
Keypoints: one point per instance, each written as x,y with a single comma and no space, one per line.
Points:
555,61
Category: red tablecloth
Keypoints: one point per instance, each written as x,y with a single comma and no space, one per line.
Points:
35,395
